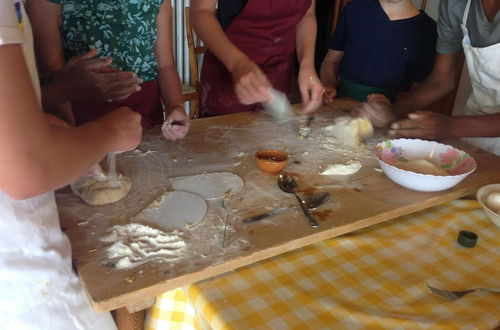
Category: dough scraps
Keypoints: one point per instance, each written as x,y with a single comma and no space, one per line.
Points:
421,166
101,190
208,185
351,131
174,210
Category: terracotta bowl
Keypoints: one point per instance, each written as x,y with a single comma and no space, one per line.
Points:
271,162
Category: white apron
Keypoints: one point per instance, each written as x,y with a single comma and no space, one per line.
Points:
483,65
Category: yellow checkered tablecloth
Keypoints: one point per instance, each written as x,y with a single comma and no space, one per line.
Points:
372,278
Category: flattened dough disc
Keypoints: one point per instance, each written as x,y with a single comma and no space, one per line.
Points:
208,185
174,210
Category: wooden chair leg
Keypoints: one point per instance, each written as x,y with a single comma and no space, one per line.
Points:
129,321
194,110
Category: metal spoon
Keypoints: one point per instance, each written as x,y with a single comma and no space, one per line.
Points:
312,203
287,184
316,200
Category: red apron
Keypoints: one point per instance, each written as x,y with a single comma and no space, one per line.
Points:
147,102
265,32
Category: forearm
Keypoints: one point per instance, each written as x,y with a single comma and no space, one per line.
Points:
421,96
329,71
167,76
169,85
475,126
442,79
209,30
71,153
306,38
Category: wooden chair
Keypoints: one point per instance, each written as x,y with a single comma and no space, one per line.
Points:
191,91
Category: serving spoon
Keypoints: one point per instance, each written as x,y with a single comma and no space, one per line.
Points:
287,184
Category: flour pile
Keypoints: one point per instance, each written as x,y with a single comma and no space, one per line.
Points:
134,244
349,168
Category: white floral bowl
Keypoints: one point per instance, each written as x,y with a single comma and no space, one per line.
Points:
394,153
481,196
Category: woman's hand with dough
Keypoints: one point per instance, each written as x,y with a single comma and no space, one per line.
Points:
311,89
176,125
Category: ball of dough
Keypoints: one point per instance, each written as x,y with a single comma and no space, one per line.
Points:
102,190
493,201
351,131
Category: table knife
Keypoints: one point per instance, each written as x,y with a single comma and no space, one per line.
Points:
268,214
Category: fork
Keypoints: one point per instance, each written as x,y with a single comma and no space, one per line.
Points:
454,295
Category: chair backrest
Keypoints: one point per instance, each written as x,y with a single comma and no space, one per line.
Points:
194,51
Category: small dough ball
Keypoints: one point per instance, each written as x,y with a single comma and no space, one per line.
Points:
421,166
493,201
102,190
351,131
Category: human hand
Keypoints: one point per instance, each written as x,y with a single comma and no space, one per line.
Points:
250,83
311,89
86,77
423,124
176,125
329,94
377,110
125,125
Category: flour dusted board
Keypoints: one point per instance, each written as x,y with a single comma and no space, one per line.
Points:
228,144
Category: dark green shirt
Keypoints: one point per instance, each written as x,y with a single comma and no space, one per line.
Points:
122,29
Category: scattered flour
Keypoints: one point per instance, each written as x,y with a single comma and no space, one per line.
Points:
134,244
350,167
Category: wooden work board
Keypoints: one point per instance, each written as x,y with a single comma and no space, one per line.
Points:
228,143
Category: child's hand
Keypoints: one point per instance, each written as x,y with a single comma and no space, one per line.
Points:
379,98
329,95
377,110
176,125
311,89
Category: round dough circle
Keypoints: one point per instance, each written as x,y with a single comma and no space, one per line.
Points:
174,210
101,191
208,185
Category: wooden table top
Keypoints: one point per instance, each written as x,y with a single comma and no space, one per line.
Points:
227,144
